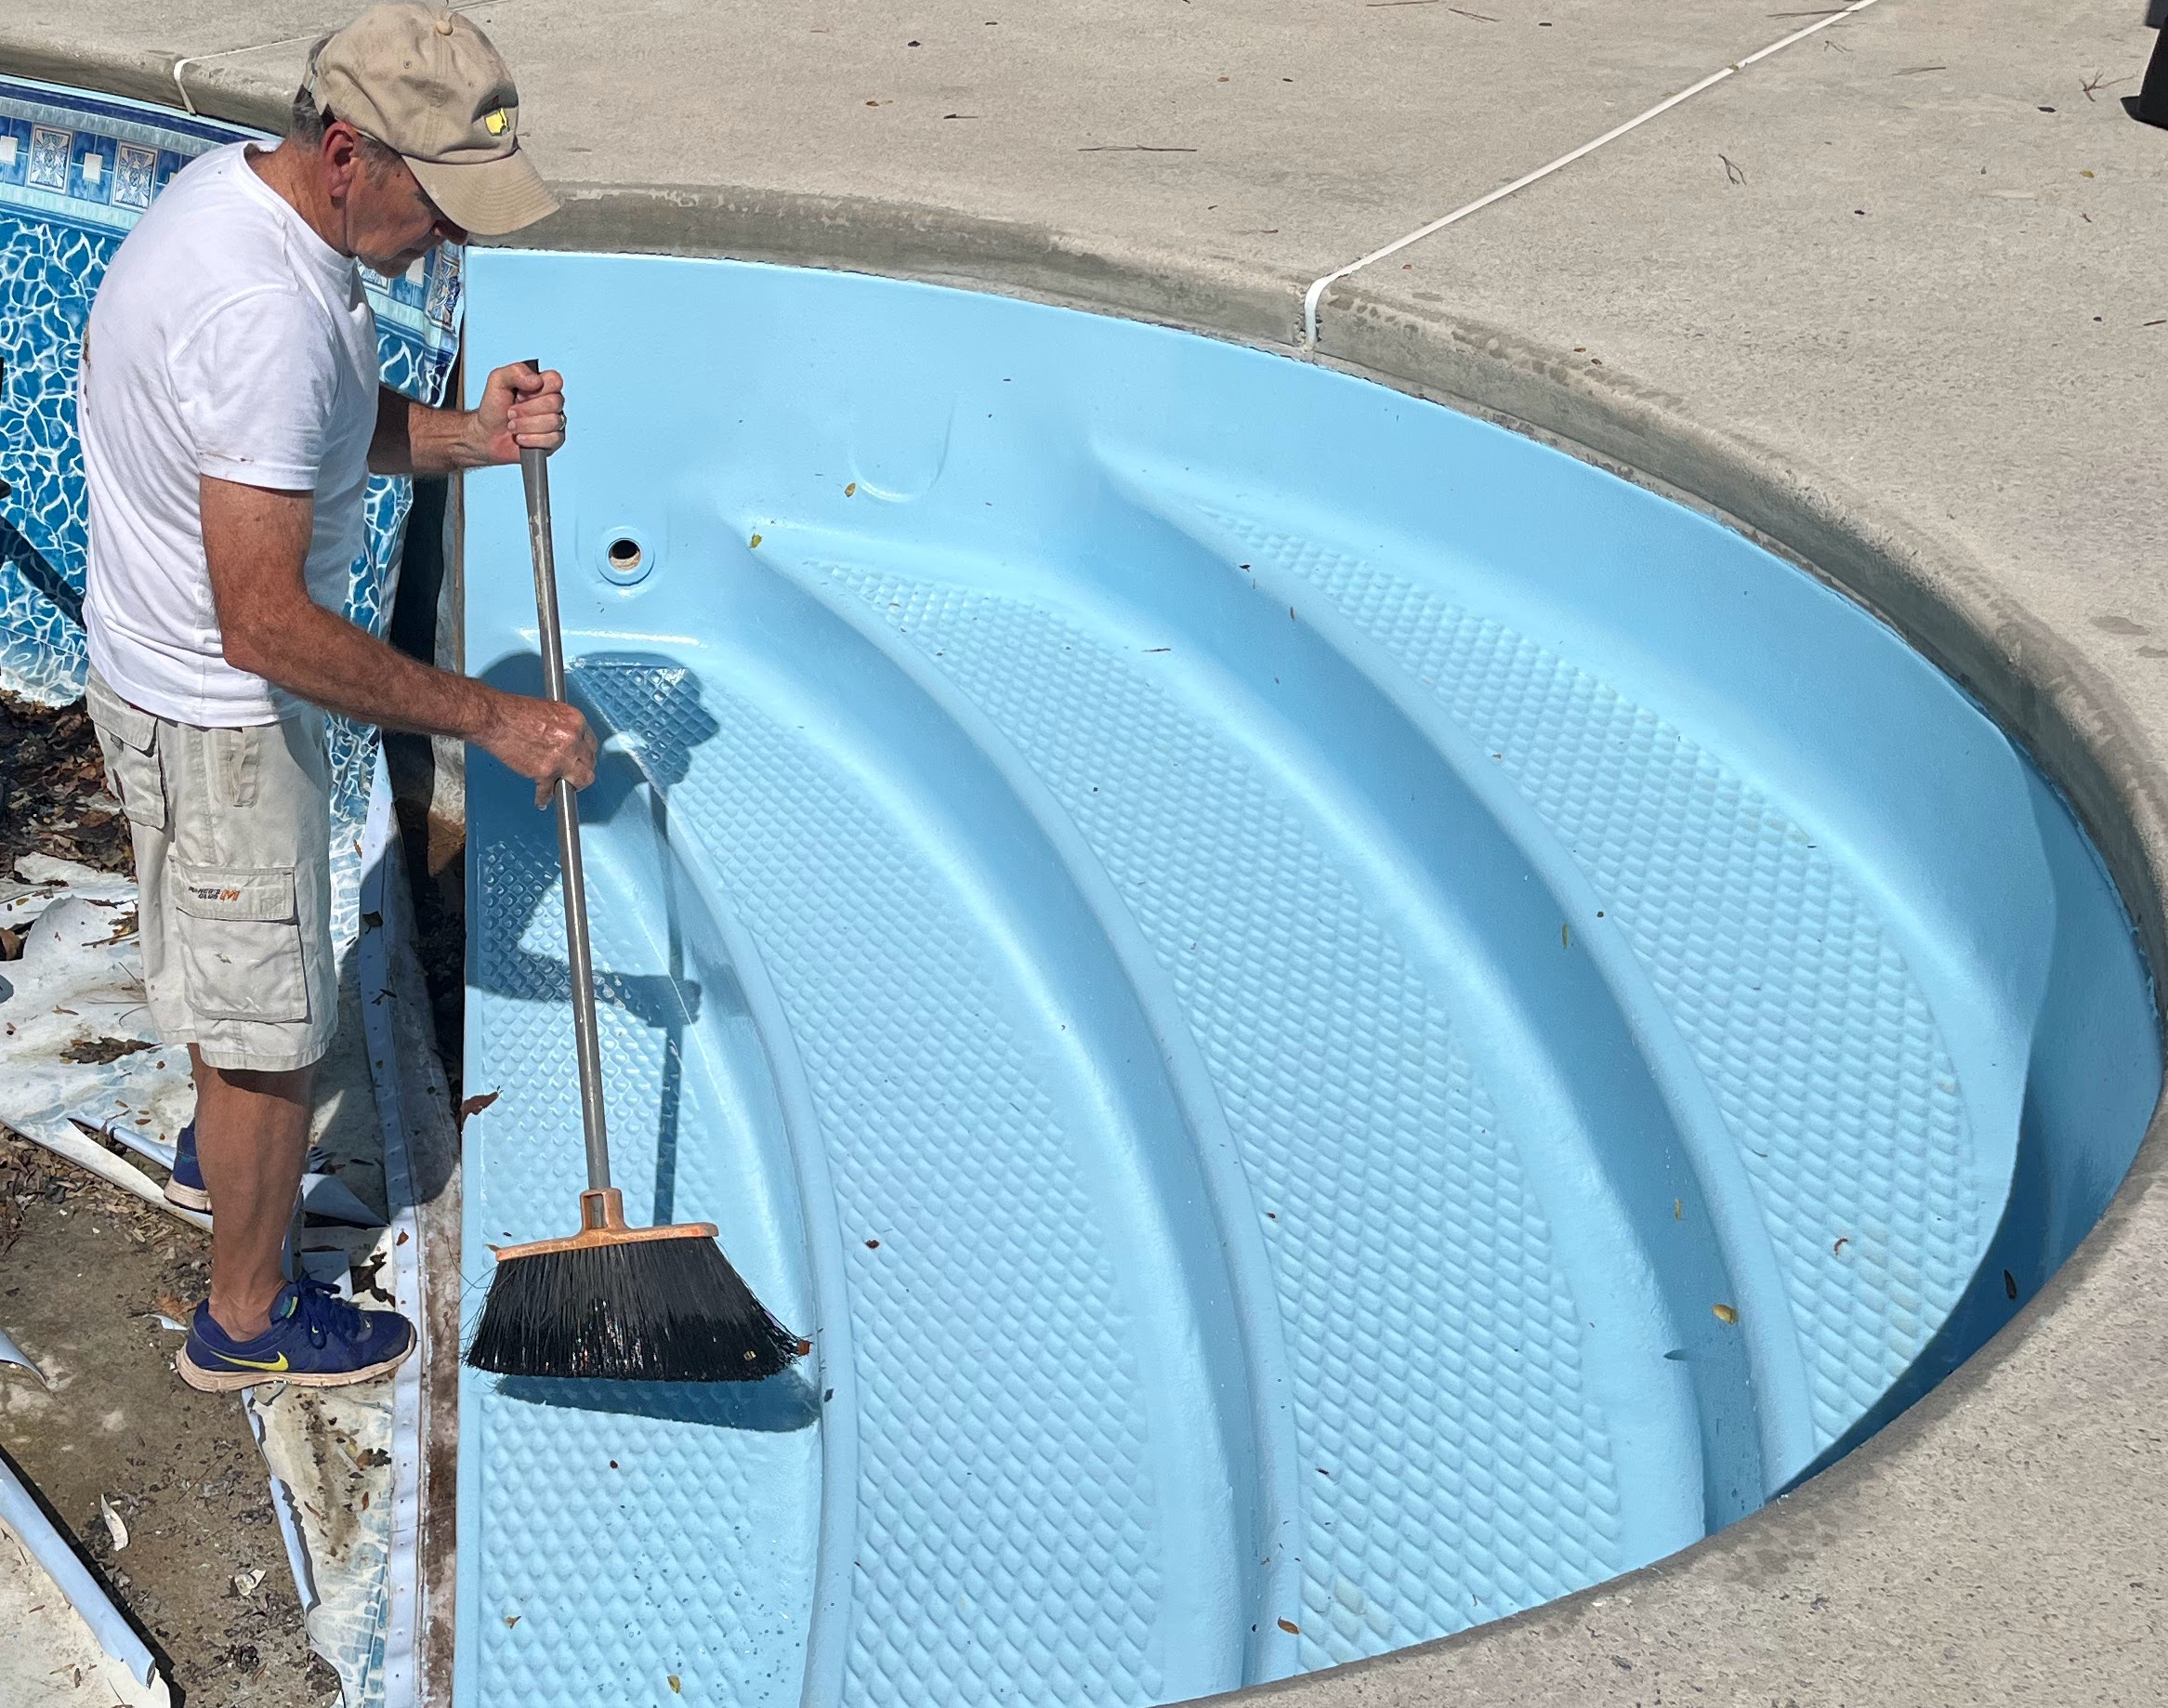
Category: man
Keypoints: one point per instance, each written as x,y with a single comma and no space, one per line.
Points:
230,413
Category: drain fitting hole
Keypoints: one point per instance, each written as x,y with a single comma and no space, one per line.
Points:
626,561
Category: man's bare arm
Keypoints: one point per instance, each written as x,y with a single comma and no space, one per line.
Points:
521,405
257,542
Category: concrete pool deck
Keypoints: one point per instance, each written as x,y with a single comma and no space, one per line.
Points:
1848,297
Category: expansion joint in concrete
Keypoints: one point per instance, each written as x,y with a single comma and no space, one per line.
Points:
1318,287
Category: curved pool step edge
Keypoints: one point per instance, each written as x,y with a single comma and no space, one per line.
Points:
993,1337
1253,1384
1430,815
2085,1083
834,1368
1770,1206
1720,1211
561,1525
1327,712
1662,1517
1052,894
2061,709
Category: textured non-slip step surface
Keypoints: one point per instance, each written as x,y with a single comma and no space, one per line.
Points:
1001,1431
1435,1349
1815,1040
1001,1428
617,1538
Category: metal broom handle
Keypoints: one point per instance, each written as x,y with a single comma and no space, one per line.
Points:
534,470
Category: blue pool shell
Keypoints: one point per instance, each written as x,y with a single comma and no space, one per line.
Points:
1337,1022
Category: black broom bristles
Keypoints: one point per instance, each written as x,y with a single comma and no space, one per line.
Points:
629,1310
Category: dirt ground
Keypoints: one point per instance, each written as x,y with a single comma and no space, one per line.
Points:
52,789
85,1271
82,1284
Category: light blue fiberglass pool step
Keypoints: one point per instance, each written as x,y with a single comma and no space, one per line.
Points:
1336,1024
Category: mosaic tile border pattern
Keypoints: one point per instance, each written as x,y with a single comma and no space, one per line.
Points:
77,172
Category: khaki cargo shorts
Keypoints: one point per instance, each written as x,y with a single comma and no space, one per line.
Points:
232,835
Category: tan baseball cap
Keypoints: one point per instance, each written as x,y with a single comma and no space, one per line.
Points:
424,81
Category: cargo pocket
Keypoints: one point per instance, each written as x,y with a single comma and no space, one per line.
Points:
241,942
127,736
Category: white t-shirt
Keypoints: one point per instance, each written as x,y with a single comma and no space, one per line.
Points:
230,340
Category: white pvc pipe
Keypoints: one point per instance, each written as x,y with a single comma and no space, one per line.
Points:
1318,289
57,1133
20,1513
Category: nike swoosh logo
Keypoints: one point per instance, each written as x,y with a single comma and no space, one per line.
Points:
259,1364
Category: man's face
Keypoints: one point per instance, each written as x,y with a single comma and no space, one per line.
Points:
390,222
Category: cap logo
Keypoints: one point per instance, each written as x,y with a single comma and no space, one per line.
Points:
496,121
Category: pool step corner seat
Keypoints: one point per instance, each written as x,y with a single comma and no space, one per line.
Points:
1337,1024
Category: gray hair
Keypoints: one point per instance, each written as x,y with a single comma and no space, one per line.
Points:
309,120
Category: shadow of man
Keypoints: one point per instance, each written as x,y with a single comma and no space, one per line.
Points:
648,711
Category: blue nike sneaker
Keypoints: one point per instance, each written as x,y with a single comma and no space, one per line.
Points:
316,1339
185,1185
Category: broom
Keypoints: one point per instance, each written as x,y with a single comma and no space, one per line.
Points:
628,1303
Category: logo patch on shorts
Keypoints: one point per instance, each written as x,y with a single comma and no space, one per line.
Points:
211,892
